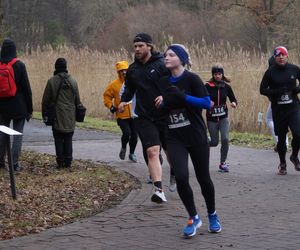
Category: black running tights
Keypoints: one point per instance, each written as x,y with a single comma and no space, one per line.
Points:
178,156
281,146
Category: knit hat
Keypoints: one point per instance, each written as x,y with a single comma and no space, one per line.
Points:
61,63
217,69
143,37
121,65
8,50
181,52
280,50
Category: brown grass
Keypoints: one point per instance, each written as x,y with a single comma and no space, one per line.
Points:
93,70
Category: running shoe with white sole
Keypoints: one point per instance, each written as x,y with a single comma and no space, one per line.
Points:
158,196
132,157
224,167
214,223
191,229
172,185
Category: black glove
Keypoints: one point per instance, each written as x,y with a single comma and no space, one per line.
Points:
28,117
173,97
113,109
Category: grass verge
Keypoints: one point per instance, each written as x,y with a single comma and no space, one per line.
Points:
252,140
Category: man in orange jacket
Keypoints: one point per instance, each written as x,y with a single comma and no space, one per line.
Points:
111,98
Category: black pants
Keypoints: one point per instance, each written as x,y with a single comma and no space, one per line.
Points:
178,155
129,133
282,122
63,148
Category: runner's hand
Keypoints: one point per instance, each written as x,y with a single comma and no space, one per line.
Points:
212,104
233,104
158,101
121,107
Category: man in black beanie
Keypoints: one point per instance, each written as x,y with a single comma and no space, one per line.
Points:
141,79
15,108
62,92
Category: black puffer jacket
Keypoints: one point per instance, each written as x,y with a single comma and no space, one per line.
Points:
141,79
19,106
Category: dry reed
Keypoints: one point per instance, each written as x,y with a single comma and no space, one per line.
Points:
93,70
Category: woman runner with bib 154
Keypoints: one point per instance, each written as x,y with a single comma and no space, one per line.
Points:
184,97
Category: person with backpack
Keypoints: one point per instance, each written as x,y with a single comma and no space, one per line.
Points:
217,117
61,92
280,85
15,99
183,98
111,99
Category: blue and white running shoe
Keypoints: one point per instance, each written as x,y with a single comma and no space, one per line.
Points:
191,228
214,223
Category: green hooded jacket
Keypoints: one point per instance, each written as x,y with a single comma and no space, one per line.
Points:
67,100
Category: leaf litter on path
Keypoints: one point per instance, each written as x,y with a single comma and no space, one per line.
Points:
47,197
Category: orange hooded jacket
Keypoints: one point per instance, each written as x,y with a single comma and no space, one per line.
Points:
111,95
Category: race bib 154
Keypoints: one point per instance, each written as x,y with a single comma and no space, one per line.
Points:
178,118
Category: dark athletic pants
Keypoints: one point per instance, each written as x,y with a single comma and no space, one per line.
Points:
178,155
281,123
129,133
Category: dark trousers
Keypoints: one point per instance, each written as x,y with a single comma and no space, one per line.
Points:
63,148
283,122
178,156
129,133
18,125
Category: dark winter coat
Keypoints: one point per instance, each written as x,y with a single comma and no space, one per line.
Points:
66,101
20,105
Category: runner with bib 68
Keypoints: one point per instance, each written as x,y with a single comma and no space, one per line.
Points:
279,84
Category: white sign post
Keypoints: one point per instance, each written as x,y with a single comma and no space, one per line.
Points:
260,120
9,132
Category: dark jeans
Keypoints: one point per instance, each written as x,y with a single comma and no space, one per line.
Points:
18,125
63,148
129,133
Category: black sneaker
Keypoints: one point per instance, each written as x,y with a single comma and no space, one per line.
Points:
295,161
122,153
17,167
282,169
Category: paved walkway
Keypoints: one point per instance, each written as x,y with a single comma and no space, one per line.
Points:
258,209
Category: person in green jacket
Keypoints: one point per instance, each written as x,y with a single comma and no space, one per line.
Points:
64,89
